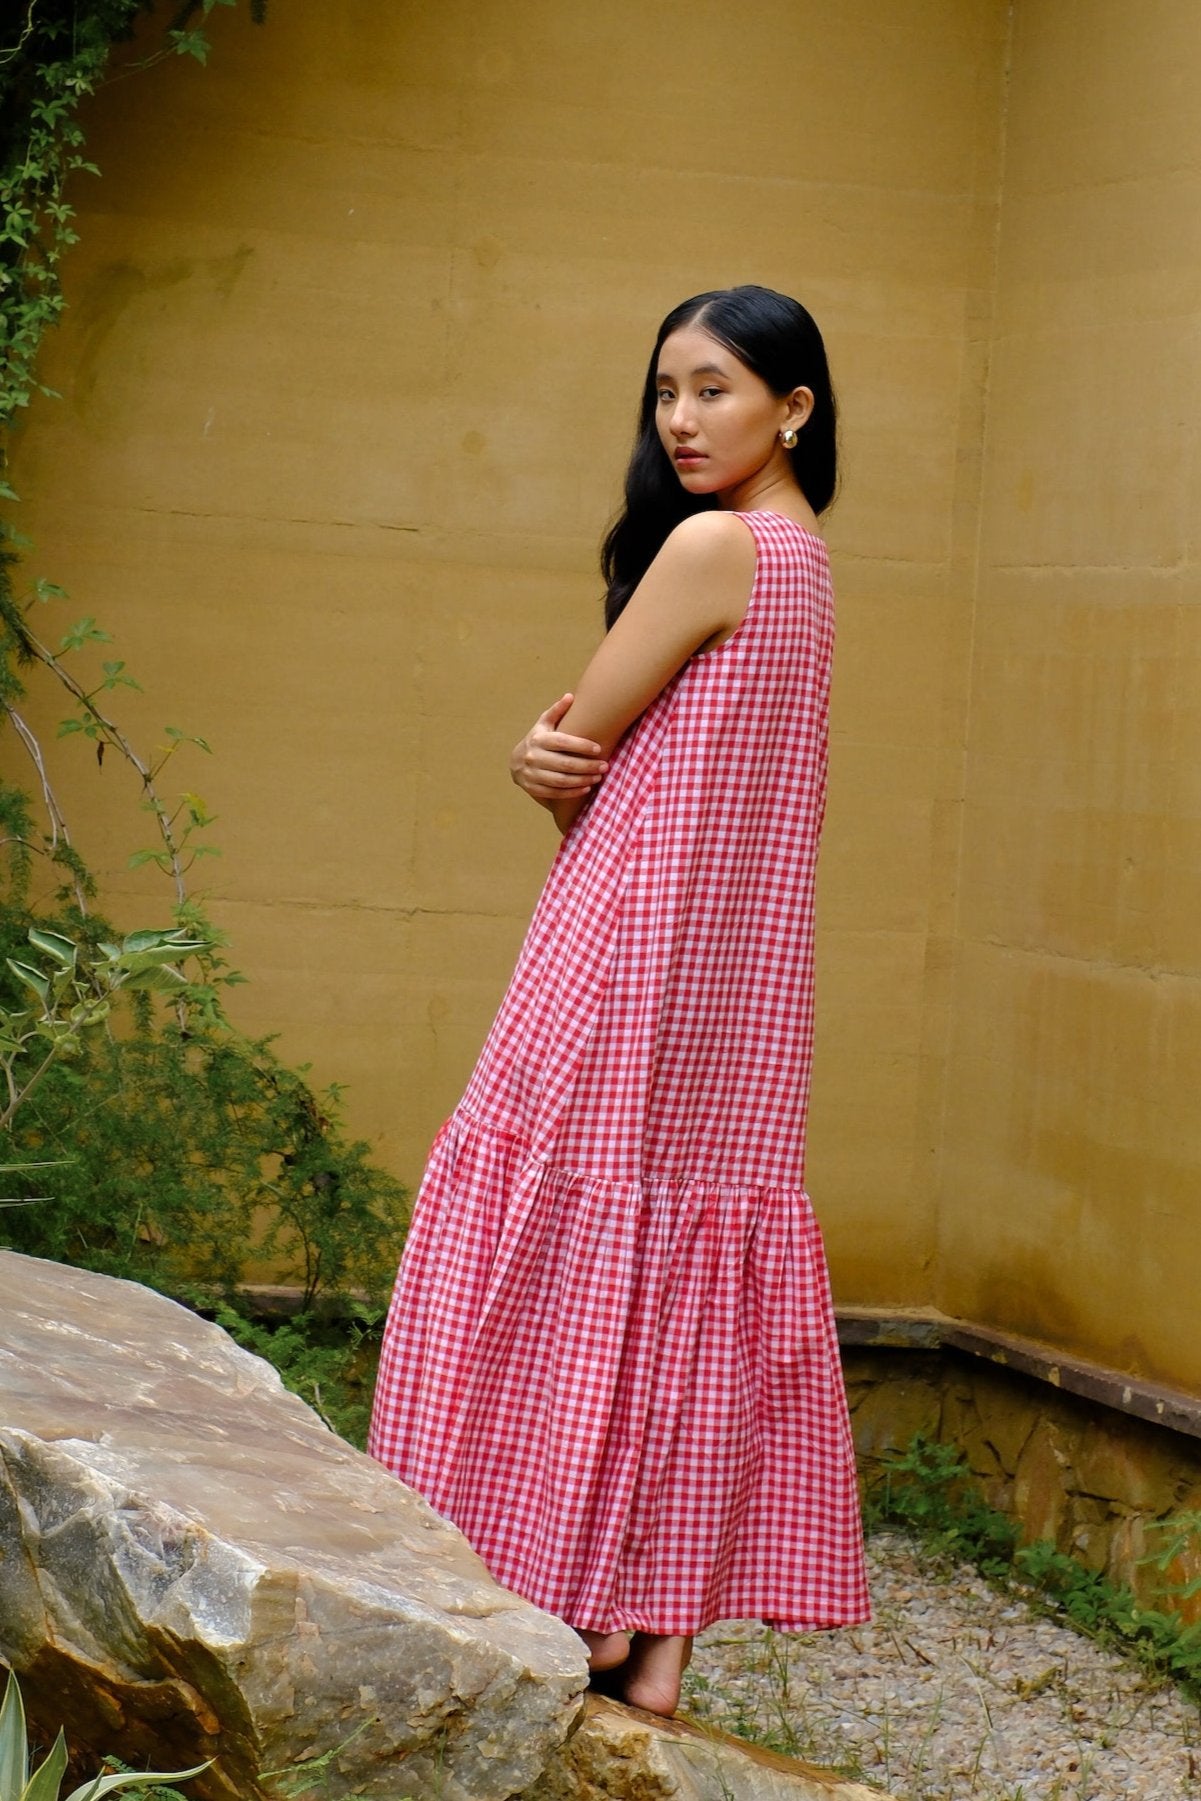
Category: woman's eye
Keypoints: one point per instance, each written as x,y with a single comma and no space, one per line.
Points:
709,393
665,394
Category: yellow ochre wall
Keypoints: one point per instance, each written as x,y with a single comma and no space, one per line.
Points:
1070,1191
357,323
358,320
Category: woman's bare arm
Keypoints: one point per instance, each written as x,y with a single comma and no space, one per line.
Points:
694,593
551,765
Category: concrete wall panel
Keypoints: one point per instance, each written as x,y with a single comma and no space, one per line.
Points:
357,324
1072,1150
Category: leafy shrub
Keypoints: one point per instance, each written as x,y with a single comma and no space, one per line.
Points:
928,1489
328,1362
185,1152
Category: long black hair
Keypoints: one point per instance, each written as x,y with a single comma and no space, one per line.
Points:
778,341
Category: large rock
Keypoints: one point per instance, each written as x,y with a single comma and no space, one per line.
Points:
193,1566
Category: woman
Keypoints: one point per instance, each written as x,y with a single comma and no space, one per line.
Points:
611,1356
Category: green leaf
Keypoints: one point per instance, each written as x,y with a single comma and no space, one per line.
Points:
157,978
33,977
67,726
148,939
191,43
14,1747
54,945
46,1780
177,737
148,856
88,1014
84,631
45,590
105,1785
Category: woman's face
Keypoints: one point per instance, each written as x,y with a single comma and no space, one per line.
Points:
719,422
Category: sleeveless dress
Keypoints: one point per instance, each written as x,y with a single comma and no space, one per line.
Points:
610,1357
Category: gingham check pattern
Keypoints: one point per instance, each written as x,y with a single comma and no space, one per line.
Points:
610,1356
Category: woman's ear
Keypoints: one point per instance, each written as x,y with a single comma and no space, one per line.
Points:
800,405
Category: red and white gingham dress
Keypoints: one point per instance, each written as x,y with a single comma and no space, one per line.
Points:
610,1356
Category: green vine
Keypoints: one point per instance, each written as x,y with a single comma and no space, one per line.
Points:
182,1150
51,59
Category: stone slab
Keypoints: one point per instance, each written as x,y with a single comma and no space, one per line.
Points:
623,1754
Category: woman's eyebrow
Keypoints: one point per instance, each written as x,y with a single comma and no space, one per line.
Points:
701,369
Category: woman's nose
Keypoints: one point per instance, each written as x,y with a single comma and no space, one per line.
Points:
682,422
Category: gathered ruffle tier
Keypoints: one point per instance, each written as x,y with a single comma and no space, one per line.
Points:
610,1387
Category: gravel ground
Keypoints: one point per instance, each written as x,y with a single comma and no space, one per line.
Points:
954,1692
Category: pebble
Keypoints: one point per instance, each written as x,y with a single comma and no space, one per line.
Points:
955,1692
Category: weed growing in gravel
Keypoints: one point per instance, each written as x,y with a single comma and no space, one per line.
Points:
956,1691
928,1489
771,1710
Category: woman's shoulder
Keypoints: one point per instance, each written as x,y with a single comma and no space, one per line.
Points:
709,529
721,531
718,542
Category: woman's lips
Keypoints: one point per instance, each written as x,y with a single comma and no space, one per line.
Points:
686,458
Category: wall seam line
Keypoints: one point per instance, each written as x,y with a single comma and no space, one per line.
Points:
956,933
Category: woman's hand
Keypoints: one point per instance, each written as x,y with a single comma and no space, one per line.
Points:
551,765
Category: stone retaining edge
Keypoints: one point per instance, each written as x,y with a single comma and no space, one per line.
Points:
926,1329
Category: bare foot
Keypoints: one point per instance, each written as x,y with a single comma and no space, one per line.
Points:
605,1649
653,1672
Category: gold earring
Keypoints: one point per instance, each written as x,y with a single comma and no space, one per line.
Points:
788,439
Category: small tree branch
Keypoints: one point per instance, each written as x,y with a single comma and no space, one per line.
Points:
35,1078
114,736
58,825
9,56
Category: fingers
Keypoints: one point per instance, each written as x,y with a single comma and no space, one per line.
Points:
564,745
555,750
545,734
557,711
550,765
552,784
554,777
557,782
